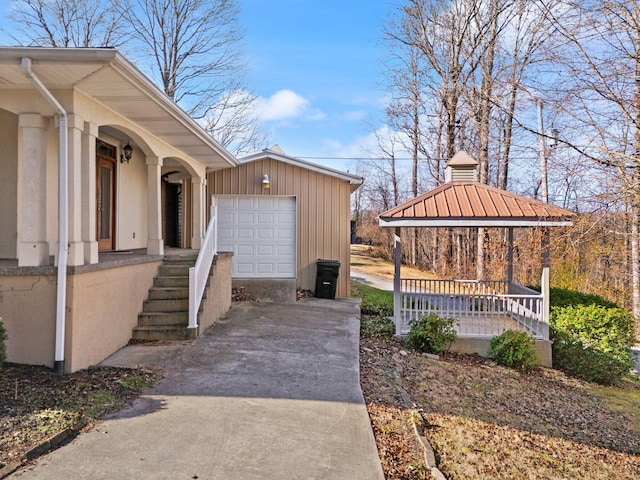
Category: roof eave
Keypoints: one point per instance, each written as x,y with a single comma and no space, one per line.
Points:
354,180
111,58
154,93
472,222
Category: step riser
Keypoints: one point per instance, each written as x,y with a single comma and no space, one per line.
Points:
163,282
168,294
181,260
166,306
151,319
165,334
174,270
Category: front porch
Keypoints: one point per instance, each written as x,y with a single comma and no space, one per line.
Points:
481,309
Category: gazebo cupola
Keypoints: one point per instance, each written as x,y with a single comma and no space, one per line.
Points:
462,167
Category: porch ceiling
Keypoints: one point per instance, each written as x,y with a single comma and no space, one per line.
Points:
473,204
107,77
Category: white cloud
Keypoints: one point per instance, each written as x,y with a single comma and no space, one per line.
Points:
282,105
356,115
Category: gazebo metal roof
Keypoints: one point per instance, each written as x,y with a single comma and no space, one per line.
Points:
473,204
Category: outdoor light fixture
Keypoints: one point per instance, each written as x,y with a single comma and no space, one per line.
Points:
265,181
127,153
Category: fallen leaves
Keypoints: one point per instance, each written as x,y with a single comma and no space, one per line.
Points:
486,421
36,404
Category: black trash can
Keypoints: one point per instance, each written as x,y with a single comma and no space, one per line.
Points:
327,278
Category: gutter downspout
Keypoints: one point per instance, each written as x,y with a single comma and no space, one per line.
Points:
63,218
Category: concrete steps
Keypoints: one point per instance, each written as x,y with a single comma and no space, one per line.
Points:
165,313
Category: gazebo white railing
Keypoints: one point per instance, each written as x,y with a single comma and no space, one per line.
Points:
480,308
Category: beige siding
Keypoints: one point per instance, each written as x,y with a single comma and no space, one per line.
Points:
324,211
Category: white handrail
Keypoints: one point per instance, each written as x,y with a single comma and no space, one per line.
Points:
199,274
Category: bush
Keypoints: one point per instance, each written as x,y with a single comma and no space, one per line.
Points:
3,338
514,349
562,297
432,334
586,362
374,301
377,326
592,341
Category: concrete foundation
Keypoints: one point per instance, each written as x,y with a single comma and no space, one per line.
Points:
481,346
281,290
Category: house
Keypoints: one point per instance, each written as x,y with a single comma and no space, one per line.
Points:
108,188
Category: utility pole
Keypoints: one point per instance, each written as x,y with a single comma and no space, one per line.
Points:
544,154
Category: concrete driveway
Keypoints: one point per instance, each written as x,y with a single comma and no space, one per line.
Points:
271,391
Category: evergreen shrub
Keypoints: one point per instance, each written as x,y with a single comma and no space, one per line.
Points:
514,349
592,342
432,334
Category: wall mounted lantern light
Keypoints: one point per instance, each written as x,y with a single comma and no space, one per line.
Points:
127,153
265,181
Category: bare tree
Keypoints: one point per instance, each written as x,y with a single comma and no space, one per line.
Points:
194,46
602,96
68,23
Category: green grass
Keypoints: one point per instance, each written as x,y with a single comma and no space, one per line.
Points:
374,301
623,398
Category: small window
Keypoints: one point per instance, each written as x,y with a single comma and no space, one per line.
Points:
105,150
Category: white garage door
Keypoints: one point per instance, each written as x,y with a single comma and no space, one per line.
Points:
261,233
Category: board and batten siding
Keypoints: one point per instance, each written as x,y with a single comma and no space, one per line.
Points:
323,211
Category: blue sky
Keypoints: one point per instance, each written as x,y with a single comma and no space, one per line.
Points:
316,65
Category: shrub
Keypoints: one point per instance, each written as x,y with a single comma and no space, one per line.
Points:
592,341
3,338
562,297
377,326
432,334
586,362
514,349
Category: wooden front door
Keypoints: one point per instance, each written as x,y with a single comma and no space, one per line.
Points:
105,195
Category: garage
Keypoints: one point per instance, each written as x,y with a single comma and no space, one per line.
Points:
261,232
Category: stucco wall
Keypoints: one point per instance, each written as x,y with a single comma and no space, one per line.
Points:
218,300
103,310
27,307
323,211
8,183
132,209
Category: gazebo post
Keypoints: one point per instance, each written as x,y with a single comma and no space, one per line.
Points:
510,260
397,251
544,281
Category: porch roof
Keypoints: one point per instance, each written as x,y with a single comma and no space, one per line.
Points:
473,204
106,76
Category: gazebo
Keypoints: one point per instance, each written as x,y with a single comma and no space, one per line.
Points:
482,308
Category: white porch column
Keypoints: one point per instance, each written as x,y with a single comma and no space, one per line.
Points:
397,284
155,242
198,185
89,136
32,245
76,195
